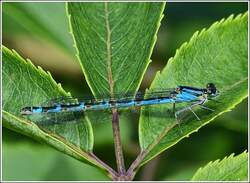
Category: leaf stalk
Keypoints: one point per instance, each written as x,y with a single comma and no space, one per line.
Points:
117,143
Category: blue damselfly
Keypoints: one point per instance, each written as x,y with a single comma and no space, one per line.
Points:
180,94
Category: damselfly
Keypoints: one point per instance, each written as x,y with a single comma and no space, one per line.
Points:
180,94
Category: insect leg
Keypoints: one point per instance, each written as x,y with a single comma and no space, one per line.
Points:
178,121
190,108
204,107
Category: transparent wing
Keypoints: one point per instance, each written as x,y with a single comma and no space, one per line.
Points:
106,97
72,126
60,100
64,118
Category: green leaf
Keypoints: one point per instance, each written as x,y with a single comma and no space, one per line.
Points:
26,85
77,139
219,55
114,42
39,20
232,168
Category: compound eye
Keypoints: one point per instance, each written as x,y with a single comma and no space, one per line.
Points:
211,88
210,85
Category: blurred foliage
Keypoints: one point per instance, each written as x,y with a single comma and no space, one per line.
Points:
27,161
225,135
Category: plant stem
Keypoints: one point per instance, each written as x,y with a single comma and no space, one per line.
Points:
132,169
135,165
117,142
112,173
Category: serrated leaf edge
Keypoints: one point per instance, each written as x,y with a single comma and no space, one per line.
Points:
148,60
75,46
184,46
218,161
196,36
197,129
65,146
48,75
37,68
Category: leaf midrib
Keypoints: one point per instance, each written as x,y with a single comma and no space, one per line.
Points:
109,50
166,130
57,138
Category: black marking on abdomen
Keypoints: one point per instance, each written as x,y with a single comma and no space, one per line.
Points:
45,109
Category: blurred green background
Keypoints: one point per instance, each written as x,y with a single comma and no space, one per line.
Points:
39,31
